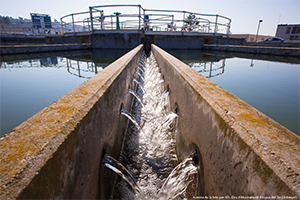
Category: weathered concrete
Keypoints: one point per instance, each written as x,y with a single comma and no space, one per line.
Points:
295,44
57,152
243,152
120,39
177,42
267,50
115,40
25,49
22,39
19,39
68,39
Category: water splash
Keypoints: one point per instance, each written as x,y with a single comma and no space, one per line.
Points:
136,96
142,70
117,167
178,180
131,118
141,76
150,154
141,86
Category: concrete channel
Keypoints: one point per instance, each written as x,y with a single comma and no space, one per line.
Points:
57,153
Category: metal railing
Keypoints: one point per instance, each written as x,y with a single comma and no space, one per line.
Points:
29,28
135,17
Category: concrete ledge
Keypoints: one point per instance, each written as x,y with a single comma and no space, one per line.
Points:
23,49
56,154
115,40
242,151
178,42
280,51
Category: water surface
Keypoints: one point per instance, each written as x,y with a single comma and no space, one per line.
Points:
268,83
31,82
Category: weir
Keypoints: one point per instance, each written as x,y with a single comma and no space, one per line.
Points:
59,152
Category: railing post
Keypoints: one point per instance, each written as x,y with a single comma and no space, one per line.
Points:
139,17
111,23
101,19
183,21
144,21
73,23
228,28
62,24
91,18
172,23
216,24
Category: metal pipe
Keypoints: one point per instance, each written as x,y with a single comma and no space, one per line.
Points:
91,18
144,20
139,17
228,28
62,24
73,23
216,24
118,5
258,29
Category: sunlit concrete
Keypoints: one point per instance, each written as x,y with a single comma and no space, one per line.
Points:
243,152
57,152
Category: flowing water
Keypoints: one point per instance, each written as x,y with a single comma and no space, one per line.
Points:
150,168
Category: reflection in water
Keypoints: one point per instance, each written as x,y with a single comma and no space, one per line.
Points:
30,82
268,83
82,69
48,62
209,69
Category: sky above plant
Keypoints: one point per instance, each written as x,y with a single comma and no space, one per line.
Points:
245,14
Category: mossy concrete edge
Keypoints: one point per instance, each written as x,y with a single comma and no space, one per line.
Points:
47,155
244,152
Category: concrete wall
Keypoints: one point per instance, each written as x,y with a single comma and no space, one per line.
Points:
42,48
242,151
115,40
120,39
178,42
263,49
22,39
57,153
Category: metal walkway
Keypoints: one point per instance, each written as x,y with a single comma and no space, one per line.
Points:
136,18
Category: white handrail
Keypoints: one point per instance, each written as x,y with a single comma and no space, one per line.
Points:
146,20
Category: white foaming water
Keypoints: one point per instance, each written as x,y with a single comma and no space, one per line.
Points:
149,154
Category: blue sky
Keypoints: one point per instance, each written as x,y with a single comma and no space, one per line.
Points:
244,14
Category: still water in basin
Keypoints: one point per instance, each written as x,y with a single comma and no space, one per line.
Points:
31,82
268,83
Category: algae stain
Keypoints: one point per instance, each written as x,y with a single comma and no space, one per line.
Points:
66,110
251,118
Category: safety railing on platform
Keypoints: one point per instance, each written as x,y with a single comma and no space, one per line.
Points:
135,17
29,28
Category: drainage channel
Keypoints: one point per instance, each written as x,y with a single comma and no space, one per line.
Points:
149,167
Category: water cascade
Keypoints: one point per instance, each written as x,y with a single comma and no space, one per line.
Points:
150,168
